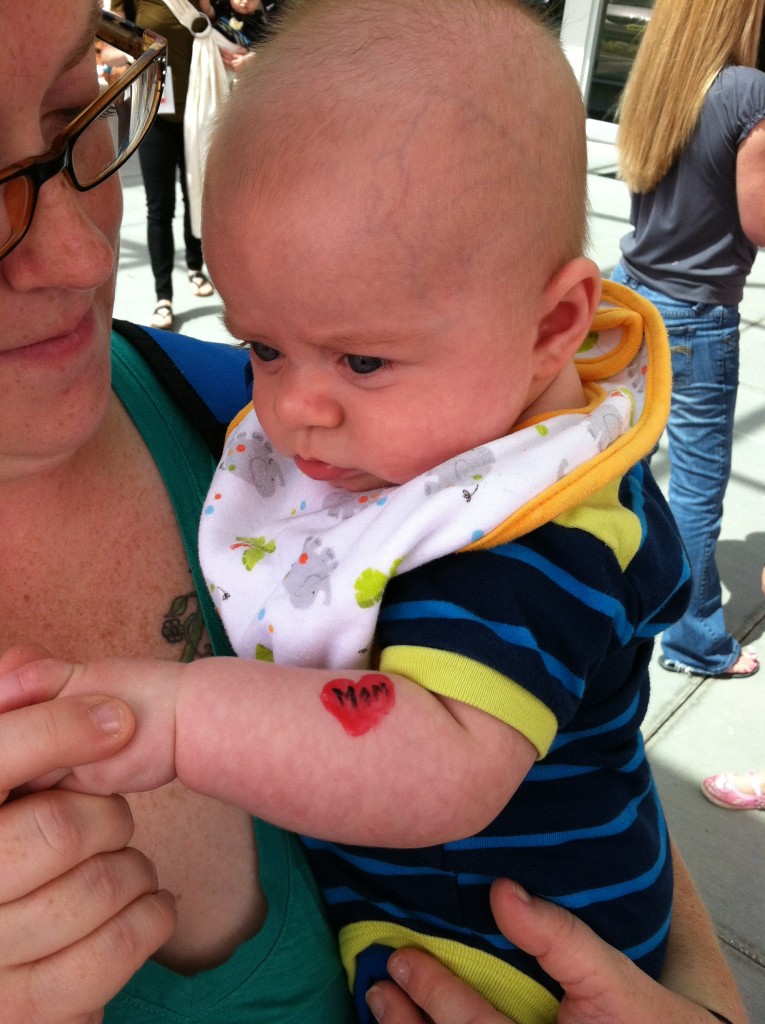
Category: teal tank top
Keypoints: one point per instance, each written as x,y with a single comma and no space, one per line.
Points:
290,972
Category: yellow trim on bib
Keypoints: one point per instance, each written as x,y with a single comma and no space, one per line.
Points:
637,318
238,418
506,988
454,675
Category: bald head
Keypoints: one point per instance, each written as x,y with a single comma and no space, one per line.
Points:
458,122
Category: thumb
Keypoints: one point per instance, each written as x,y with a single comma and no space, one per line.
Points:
45,738
599,981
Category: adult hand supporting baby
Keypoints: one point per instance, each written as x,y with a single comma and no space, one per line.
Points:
109,721
600,983
33,677
79,909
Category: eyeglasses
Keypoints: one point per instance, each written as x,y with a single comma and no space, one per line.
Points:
100,139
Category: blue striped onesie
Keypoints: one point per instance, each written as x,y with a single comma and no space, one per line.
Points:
569,613
547,623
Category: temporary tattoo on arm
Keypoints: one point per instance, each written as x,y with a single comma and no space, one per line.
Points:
185,624
359,706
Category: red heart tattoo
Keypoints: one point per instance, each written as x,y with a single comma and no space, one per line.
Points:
359,706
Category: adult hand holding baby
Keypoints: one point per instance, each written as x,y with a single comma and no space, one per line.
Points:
599,983
30,676
65,857
83,726
544,929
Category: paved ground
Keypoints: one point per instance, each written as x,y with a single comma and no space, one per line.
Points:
694,727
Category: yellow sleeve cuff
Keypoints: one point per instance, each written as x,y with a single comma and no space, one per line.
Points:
466,680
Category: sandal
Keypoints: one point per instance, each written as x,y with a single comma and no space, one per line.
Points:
723,791
670,665
200,284
162,317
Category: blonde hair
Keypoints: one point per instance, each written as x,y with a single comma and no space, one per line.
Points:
686,45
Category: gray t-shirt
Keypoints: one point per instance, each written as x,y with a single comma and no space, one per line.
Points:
688,241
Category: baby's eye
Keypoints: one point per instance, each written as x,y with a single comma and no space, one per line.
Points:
265,353
364,364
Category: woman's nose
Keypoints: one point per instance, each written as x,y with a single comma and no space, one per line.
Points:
65,247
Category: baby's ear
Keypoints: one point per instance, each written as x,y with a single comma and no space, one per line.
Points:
569,301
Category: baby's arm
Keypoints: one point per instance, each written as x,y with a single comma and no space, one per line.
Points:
358,757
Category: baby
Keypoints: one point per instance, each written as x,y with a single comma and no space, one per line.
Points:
431,538
241,21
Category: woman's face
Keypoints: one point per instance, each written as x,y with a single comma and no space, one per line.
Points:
57,285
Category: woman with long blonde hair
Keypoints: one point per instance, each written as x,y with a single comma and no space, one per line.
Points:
691,149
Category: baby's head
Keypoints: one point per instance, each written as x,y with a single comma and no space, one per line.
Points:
395,213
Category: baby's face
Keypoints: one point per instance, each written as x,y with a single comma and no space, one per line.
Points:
244,6
369,370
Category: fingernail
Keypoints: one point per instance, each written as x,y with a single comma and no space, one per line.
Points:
399,969
376,1002
521,893
109,716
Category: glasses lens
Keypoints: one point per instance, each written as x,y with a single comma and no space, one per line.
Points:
16,200
111,138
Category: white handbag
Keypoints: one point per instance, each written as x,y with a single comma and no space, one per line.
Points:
207,91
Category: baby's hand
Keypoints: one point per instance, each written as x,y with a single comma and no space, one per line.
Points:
149,687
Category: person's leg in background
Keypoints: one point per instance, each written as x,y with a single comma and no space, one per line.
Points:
160,155
700,432
200,283
704,346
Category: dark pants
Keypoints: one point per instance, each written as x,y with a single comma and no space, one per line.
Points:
162,161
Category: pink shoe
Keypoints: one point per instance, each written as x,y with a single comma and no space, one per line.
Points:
723,791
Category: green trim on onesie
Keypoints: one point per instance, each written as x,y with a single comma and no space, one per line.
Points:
454,675
509,990
604,516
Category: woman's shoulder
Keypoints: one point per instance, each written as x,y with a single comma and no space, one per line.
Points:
736,100
737,80
734,103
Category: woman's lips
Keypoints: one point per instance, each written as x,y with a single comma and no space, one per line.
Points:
60,344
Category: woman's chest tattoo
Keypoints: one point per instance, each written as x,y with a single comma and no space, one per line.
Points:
184,624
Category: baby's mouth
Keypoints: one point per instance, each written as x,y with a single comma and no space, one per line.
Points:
317,470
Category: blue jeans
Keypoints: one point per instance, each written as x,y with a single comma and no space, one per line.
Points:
704,346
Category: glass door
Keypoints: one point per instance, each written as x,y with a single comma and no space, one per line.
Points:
600,39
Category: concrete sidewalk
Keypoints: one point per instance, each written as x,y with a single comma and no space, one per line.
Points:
694,727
